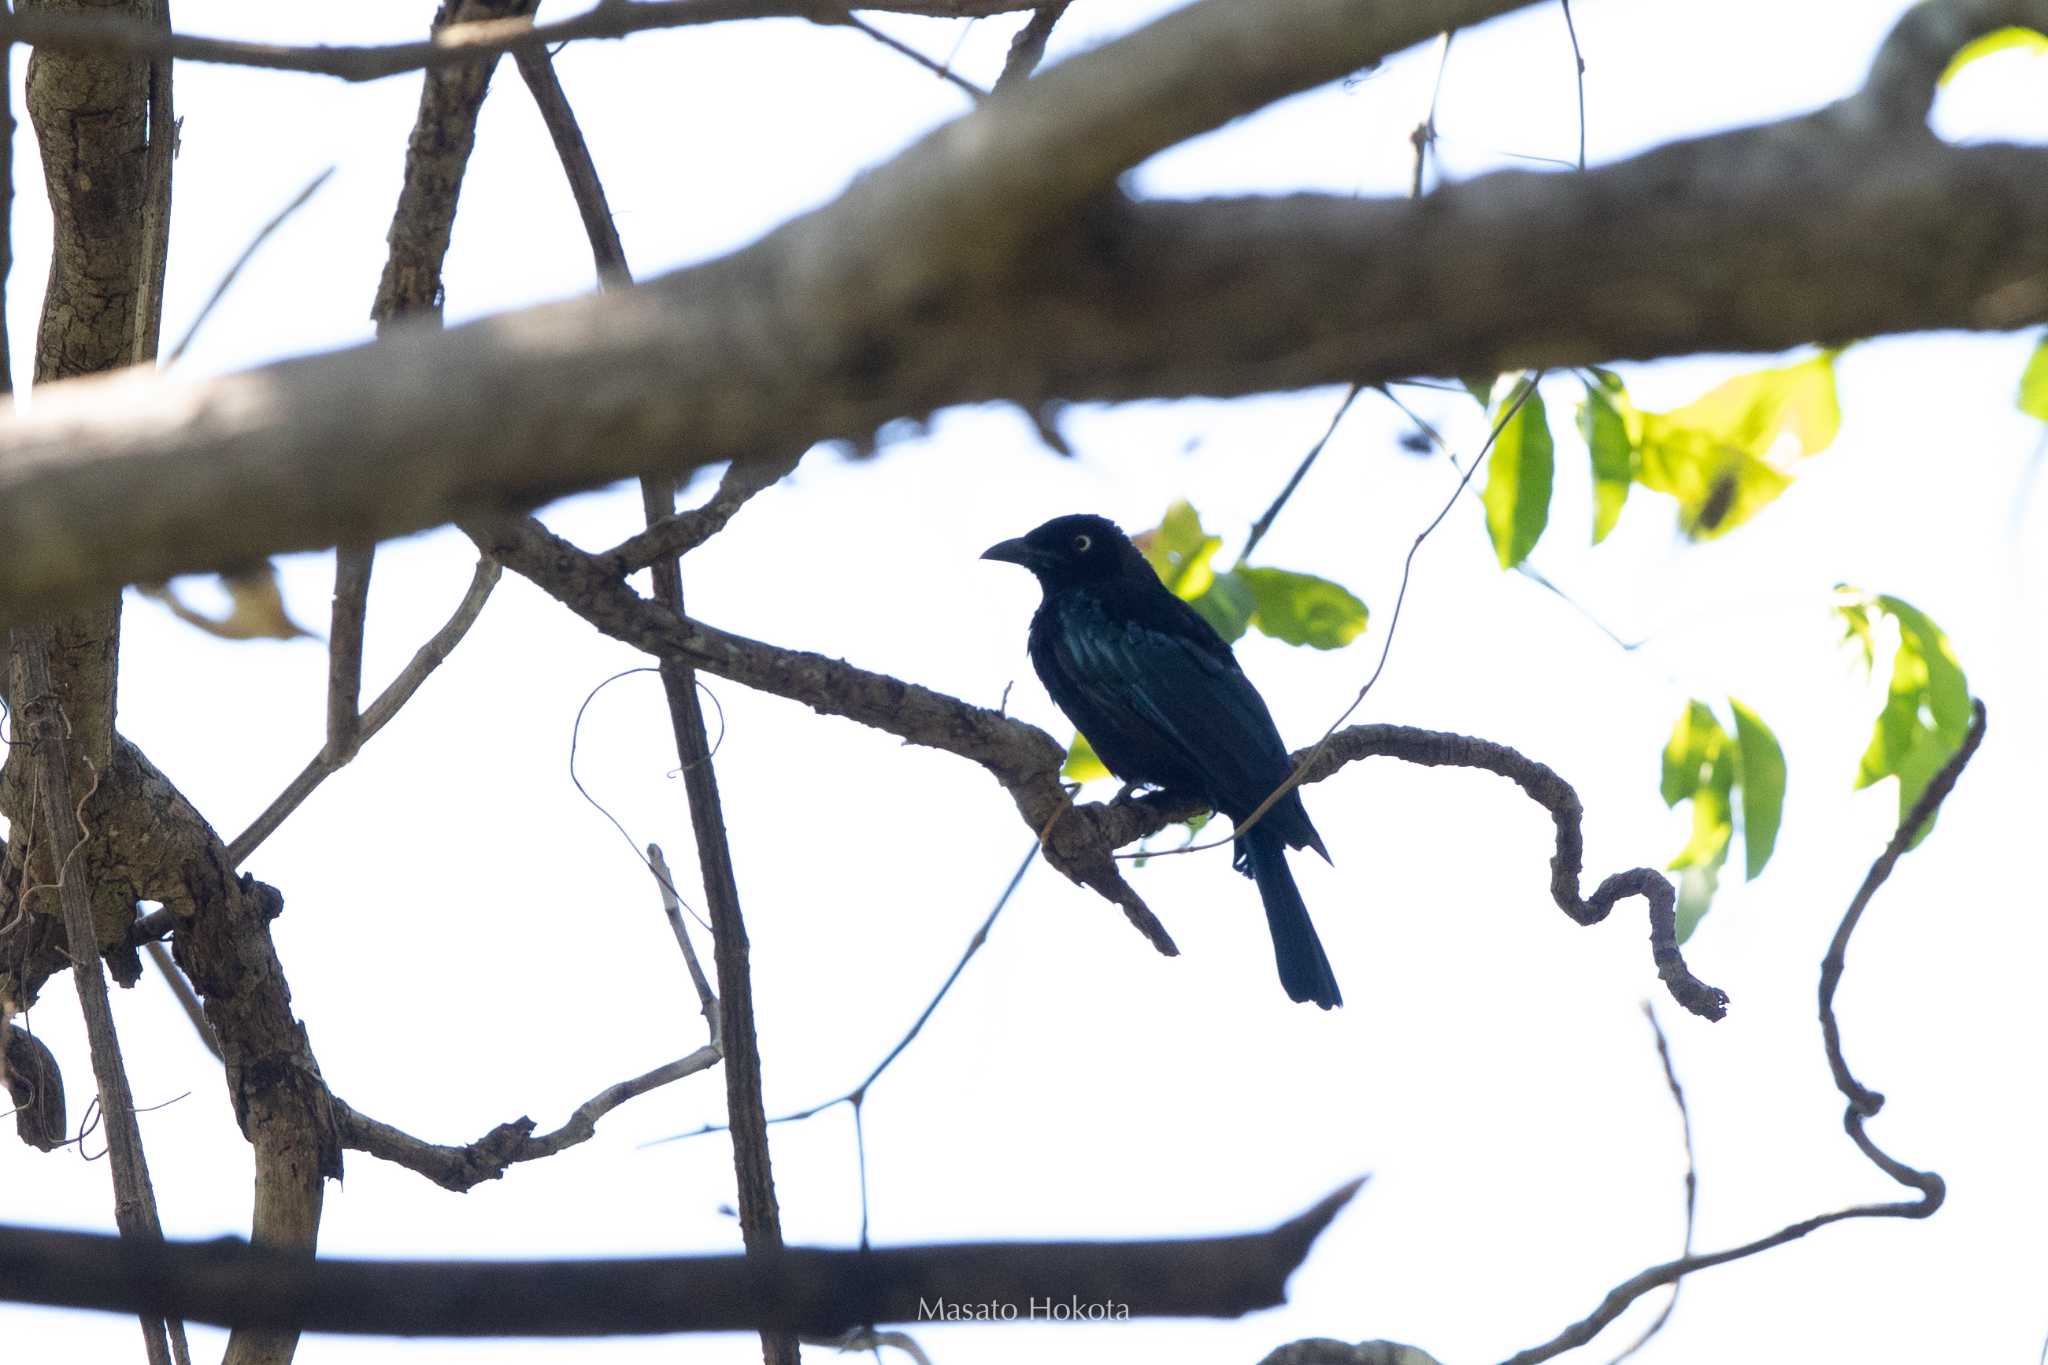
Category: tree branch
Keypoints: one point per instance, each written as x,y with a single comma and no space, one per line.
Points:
134,1198
424,661
809,1291
760,1215
461,1168
918,258
474,41
1023,758
1863,1102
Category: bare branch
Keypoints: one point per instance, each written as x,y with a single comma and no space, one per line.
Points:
1023,758
1123,821
685,531
901,276
734,1034
42,718
813,1292
424,661
461,1168
352,566
1027,49
481,40
671,906
1863,1102
234,271
1692,1178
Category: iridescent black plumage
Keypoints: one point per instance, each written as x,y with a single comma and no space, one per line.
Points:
1160,698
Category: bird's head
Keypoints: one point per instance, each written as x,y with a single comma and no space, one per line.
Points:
1070,551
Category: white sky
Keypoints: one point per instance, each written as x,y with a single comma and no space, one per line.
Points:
468,941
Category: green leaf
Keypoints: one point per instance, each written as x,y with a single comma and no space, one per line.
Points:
1228,605
1696,742
1480,386
1179,551
2034,383
1301,608
1082,765
1696,886
1998,40
1761,777
1927,705
1700,766
1518,476
1604,424
1723,455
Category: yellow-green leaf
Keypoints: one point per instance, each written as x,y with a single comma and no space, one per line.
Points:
1998,40
1724,455
1927,705
1518,477
1179,551
1696,887
1082,765
1301,608
1761,779
1228,605
1696,744
1604,422
2034,383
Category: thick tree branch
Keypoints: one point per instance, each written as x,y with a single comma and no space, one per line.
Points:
814,1292
865,310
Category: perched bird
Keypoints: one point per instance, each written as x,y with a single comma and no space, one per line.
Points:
1161,700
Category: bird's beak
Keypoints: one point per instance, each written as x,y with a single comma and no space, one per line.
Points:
1012,552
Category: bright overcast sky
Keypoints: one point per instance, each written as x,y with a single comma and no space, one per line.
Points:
468,940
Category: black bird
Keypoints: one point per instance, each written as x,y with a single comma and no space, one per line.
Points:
1161,700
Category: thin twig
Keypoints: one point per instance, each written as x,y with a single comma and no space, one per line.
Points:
672,906
1508,414
352,565
481,40
760,1218
1863,1102
685,531
162,117
1579,73
1424,136
897,45
1027,49
1692,1184
463,1168
42,717
234,271
1265,521
187,998
859,1092
424,661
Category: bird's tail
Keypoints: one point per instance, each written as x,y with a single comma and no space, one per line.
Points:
1304,968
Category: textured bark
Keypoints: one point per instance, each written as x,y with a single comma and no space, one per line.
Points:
90,112
1812,230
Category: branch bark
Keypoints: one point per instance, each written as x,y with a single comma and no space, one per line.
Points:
134,1198
478,41
813,1292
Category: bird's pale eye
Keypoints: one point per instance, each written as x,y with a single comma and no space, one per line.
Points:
1082,542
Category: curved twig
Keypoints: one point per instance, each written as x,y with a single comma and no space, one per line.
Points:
1863,1102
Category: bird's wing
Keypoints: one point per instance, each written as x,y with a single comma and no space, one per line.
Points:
1162,687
